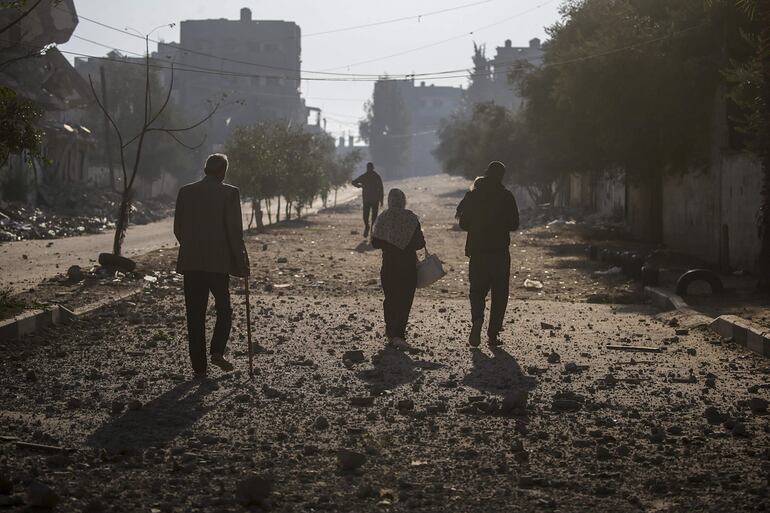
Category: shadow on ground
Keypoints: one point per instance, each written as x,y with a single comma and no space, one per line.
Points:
498,373
156,423
392,368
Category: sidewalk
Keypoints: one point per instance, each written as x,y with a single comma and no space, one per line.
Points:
24,264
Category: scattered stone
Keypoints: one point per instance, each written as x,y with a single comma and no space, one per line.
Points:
75,273
514,401
354,356
546,326
282,260
565,405
272,393
363,402
405,405
6,486
40,495
758,405
242,398
31,375
602,453
321,423
350,460
573,368
739,429
253,490
714,416
74,403
692,351
681,332
554,357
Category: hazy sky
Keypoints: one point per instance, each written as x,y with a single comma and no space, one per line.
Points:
491,22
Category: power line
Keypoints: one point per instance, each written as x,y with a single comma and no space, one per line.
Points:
209,71
261,65
417,17
437,43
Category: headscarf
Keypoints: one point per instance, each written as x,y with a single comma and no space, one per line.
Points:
396,225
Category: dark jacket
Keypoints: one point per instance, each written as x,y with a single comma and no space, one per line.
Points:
209,227
488,213
403,258
371,183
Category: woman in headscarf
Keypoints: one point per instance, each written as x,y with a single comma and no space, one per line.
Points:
398,234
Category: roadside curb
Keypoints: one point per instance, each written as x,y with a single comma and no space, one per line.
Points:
750,335
36,320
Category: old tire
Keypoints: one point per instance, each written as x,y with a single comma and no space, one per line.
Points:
694,275
650,276
116,262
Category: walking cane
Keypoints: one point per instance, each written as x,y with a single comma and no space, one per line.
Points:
248,328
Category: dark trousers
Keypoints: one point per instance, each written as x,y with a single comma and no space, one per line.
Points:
490,271
371,209
197,285
399,284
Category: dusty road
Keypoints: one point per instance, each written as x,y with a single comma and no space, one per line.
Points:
24,264
552,421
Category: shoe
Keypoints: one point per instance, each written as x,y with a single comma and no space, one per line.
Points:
366,232
219,361
494,341
400,343
199,376
474,340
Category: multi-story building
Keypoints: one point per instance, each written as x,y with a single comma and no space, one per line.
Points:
251,66
404,129
493,83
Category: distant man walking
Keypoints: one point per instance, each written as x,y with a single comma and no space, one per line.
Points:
373,194
209,227
488,212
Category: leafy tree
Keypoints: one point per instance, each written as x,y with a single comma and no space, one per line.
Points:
467,142
19,131
342,170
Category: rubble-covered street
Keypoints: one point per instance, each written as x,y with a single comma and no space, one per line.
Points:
589,406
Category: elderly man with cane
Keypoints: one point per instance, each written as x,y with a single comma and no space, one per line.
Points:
209,227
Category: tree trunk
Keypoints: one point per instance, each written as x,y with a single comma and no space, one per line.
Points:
335,197
287,213
258,214
251,218
269,205
763,267
278,211
121,223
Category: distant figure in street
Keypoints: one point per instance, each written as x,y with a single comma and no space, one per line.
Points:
373,194
398,234
488,212
209,227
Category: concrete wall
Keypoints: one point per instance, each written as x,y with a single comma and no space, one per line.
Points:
609,194
691,213
741,179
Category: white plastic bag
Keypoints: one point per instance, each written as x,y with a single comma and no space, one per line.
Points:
429,270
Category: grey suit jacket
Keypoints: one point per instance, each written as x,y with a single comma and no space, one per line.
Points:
209,228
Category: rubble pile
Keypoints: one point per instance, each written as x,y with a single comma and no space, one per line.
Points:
66,212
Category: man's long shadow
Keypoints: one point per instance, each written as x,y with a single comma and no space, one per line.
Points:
499,374
156,423
392,368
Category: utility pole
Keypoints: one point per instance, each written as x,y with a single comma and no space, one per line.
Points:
106,129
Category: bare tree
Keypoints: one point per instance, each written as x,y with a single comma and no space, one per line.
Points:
148,126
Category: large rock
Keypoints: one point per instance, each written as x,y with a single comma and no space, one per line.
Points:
350,460
253,490
40,495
